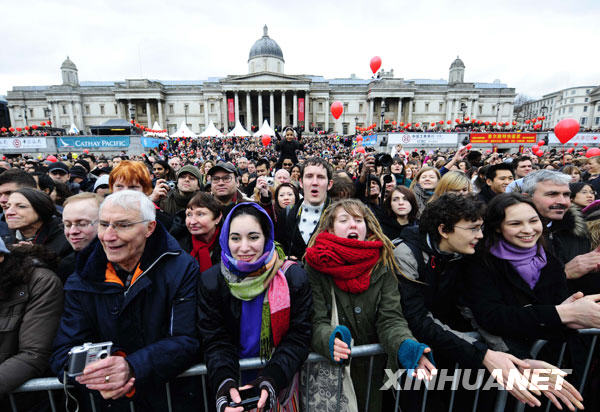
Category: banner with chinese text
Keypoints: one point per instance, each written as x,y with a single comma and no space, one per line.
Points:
508,137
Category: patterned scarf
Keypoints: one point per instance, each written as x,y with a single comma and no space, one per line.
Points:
349,262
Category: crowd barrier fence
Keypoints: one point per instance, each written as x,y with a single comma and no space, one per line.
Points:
50,385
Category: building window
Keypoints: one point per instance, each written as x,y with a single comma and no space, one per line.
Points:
572,91
171,109
493,108
571,100
87,109
587,91
143,109
31,113
116,109
212,107
345,128
426,107
64,109
441,108
480,108
101,109
320,107
360,107
571,109
583,120
597,121
586,100
584,109
201,108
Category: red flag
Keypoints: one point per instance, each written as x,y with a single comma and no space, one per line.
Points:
231,110
301,109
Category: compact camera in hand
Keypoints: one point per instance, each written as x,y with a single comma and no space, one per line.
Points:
81,356
172,184
250,398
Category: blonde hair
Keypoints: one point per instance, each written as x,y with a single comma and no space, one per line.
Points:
357,208
95,197
420,172
451,181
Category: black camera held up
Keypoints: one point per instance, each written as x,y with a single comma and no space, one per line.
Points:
383,159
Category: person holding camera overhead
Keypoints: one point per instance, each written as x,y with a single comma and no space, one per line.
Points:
135,287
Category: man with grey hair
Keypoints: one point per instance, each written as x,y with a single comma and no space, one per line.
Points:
566,234
135,287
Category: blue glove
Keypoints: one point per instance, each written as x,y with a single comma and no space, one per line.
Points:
410,352
344,335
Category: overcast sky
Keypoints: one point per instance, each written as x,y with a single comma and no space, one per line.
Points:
535,46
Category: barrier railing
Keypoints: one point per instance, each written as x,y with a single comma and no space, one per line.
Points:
50,385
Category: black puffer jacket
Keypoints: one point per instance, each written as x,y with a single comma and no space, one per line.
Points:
288,149
219,315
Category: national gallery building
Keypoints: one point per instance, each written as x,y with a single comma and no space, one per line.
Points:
265,93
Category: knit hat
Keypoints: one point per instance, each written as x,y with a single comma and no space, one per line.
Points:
193,170
101,181
78,171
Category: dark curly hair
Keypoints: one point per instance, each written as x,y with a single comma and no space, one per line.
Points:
448,210
19,264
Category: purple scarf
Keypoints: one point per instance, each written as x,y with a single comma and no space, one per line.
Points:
527,262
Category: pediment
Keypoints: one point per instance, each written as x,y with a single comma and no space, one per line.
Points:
265,77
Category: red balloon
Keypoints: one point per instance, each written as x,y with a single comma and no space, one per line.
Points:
394,122
337,108
360,149
19,129
575,144
3,129
86,151
585,148
540,153
26,127
34,127
493,123
457,120
514,123
527,121
409,124
541,143
570,150
387,121
43,123
11,129
375,64
467,118
566,129
432,124
359,138
417,124
441,122
266,140
488,151
487,123
52,158
535,149
469,146
594,151
595,137
449,122
401,123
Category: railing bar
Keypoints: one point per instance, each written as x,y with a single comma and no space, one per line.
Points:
131,406
501,401
561,356
307,376
203,377
453,392
424,405
169,403
476,400
588,363
371,361
397,405
51,398
13,404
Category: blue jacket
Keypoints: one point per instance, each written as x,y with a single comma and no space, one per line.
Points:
153,321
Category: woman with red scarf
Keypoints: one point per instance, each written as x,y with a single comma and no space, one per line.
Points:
200,236
350,257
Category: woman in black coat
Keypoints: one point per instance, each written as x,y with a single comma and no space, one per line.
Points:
516,289
254,303
288,145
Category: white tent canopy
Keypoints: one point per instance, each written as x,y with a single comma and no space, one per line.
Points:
73,130
184,131
238,130
265,129
211,131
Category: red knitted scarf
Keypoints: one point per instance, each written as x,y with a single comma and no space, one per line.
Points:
201,251
349,262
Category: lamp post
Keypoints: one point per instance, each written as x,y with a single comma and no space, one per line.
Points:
24,107
543,110
48,114
382,113
132,114
463,109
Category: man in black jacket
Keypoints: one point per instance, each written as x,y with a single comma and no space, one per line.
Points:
497,179
296,224
567,235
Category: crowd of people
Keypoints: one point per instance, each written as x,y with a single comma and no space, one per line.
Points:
213,251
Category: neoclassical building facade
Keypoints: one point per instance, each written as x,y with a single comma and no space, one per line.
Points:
264,93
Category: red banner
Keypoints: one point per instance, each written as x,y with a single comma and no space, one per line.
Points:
509,137
301,109
231,110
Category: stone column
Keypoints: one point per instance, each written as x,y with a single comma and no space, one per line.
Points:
160,114
260,109
224,116
449,110
399,119
236,107
371,108
206,106
411,104
55,114
148,113
80,116
295,109
306,112
248,112
283,121
474,108
11,110
271,109
119,110
71,112
327,115
315,119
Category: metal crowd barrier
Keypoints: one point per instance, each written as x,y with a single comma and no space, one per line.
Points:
52,384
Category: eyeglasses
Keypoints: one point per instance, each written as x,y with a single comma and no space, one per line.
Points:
79,225
118,226
473,230
224,179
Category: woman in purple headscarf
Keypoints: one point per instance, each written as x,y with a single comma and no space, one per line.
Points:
254,303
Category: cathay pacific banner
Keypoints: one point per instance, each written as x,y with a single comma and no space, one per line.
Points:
152,142
92,142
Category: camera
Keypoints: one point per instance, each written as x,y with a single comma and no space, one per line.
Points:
388,179
270,181
383,159
81,356
171,184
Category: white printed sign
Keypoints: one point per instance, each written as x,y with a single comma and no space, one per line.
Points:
423,139
17,143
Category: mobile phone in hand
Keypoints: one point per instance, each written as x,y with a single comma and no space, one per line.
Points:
250,398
